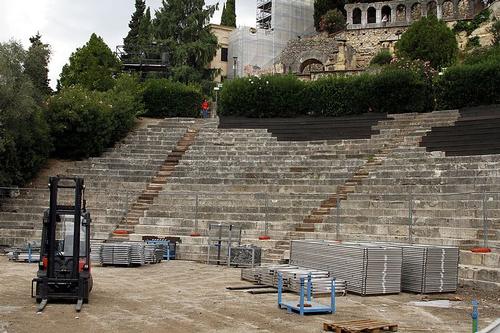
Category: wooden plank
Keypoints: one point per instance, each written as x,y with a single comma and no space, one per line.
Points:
259,286
358,326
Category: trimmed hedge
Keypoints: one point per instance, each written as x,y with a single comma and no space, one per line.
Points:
267,96
469,85
394,90
164,98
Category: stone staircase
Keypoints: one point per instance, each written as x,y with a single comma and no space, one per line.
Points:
145,200
393,139
286,189
113,183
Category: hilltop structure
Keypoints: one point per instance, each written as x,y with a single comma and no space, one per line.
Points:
371,27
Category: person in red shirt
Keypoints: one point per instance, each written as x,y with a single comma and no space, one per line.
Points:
204,108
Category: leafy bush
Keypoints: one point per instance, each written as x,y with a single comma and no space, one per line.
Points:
470,26
333,21
469,85
81,123
264,97
473,42
85,122
482,55
24,135
126,99
495,31
430,40
164,98
383,57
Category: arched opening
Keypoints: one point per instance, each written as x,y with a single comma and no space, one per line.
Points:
432,8
401,13
311,65
372,15
356,16
416,11
463,9
386,14
448,12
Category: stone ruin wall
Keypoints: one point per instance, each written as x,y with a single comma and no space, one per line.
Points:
351,51
368,42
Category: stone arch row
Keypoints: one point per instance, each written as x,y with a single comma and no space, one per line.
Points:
400,13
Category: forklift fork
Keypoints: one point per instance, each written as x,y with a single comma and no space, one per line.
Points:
42,305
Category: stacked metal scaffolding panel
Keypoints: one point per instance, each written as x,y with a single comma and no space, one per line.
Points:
429,268
126,253
278,21
369,269
268,275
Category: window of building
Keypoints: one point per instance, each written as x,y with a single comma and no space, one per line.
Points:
223,56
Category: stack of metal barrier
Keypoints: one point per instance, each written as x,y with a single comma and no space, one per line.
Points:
368,269
127,253
430,269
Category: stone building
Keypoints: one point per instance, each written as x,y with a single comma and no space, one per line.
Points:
221,60
402,13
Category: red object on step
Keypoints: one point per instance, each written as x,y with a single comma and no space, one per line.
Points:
120,232
481,250
195,234
264,238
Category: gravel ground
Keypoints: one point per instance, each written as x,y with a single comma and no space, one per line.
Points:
181,296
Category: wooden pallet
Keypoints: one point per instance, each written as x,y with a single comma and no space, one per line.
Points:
360,326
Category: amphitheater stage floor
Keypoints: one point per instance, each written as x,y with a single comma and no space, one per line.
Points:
181,296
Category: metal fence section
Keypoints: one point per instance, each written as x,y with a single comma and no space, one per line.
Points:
107,206
460,219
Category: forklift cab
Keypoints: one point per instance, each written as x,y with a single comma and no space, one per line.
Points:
65,270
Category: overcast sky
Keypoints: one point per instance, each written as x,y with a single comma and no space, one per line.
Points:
68,24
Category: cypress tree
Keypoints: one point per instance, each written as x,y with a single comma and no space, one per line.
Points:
36,67
145,35
131,42
229,14
223,18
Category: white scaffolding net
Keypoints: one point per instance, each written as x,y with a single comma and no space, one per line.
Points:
254,50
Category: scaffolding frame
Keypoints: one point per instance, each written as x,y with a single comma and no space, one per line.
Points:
278,22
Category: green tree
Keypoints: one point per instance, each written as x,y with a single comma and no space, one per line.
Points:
228,17
36,67
181,28
333,21
321,7
24,134
131,42
383,57
91,66
145,37
429,39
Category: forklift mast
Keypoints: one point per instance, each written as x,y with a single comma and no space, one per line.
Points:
64,271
